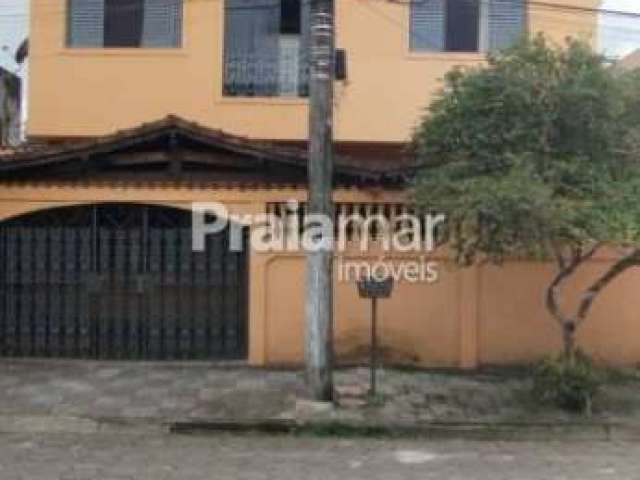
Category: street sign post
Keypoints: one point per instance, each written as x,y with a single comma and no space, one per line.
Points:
374,289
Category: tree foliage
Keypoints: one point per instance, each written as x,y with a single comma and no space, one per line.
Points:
536,154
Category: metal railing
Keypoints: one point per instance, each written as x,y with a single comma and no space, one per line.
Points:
284,74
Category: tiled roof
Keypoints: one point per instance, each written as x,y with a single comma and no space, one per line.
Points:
364,162
9,153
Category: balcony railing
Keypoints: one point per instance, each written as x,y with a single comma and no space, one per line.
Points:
282,74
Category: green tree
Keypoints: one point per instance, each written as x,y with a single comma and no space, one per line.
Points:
535,155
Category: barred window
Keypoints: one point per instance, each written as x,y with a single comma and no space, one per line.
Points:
265,50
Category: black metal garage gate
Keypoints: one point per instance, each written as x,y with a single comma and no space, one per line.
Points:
119,282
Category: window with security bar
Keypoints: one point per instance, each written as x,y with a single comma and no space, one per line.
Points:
266,43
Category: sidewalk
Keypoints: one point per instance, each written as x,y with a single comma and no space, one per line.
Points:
75,396
143,391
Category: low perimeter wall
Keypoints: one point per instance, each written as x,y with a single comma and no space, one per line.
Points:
478,316
468,318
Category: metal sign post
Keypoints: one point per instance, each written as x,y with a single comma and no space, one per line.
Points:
374,289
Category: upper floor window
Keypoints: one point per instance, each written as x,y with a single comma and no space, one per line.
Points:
466,25
125,23
265,50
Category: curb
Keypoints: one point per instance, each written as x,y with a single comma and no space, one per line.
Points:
596,431
577,431
79,425
266,426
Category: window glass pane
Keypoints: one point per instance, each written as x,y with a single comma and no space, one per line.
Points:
427,25
123,23
463,21
305,42
290,17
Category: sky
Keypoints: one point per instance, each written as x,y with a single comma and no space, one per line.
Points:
619,35
14,21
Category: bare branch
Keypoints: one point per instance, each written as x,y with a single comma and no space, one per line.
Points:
593,250
553,305
566,269
630,260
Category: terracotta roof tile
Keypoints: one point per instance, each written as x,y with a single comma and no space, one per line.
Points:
368,162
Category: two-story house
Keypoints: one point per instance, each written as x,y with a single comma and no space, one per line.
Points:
138,108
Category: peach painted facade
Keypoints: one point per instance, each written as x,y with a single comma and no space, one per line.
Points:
469,318
90,92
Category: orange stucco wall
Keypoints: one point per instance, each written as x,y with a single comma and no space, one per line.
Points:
93,92
517,328
469,318
478,316
418,325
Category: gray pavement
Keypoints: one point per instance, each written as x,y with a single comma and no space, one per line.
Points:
153,392
132,457
166,393
52,396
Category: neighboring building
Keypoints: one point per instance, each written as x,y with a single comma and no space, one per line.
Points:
138,108
631,61
10,108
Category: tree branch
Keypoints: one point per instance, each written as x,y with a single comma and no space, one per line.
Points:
630,260
553,305
566,269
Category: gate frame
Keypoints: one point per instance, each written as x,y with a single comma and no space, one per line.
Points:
243,311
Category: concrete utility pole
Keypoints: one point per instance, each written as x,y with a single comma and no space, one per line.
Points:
319,305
